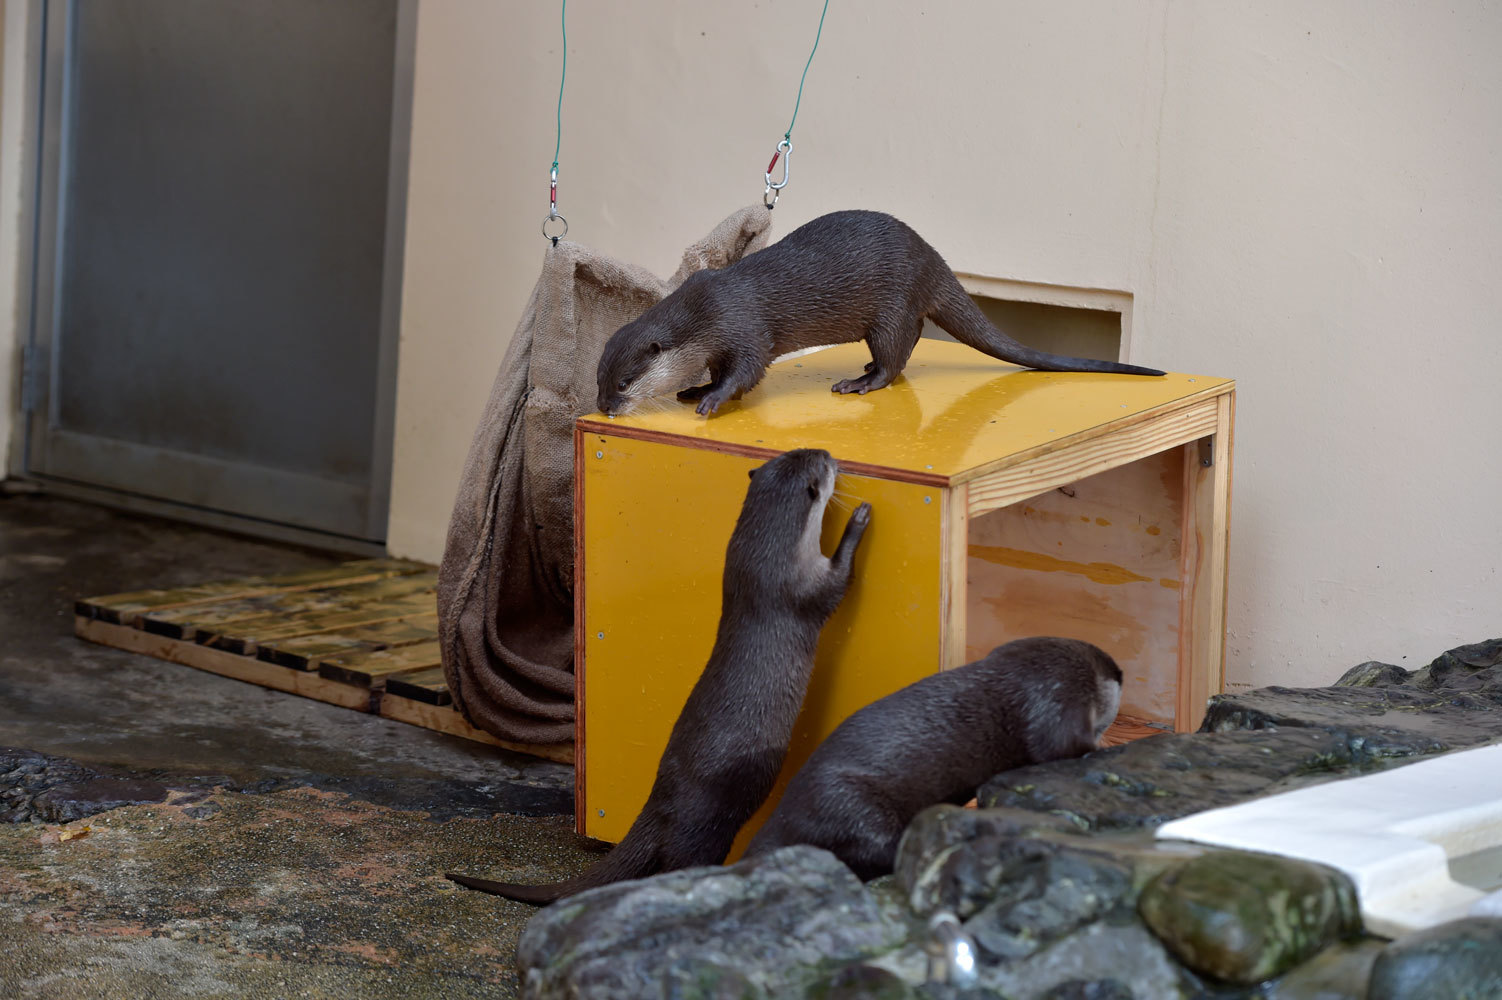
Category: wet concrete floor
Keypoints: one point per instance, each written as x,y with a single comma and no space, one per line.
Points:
278,847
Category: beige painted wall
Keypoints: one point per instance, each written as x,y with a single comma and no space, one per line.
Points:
1305,196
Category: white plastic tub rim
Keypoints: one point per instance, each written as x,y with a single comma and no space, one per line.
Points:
1422,842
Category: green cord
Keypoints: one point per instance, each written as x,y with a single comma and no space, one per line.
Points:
558,141
788,135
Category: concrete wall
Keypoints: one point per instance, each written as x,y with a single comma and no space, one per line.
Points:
1305,196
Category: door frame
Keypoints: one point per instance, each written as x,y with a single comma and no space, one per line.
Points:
49,25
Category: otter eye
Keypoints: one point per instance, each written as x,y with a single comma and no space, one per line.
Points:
621,385
813,491
654,347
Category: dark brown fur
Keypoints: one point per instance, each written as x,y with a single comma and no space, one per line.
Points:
939,739
843,277
727,747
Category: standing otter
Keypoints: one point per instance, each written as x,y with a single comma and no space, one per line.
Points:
937,740
843,277
728,744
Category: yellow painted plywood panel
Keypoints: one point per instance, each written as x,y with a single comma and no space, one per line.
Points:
954,410
657,519
1099,561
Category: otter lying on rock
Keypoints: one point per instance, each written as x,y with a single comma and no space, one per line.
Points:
937,740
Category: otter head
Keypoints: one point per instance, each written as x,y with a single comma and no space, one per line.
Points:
1107,694
654,354
783,513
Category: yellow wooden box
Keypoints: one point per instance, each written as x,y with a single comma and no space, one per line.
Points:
1005,503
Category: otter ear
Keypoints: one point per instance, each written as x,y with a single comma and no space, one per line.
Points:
654,348
751,473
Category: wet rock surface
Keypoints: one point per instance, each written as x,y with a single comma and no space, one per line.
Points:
1015,894
1099,989
1337,973
1057,885
281,848
40,787
320,893
1455,961
296,849
1272,740
116,714
1119,952
1244,917
767,927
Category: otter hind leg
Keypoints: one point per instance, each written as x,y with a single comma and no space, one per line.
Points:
869,832
891,339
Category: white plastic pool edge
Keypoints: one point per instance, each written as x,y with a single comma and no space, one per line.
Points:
1394,834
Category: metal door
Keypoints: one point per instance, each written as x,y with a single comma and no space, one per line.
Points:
220,201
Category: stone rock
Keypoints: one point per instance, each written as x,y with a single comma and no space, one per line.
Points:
1016,894
1464,668
1108,950
1100,989
864,982
1395,721
1271,740
39,787
870,982
1487,653
1373,673
1046,900
1340,972
767,927
1455,701
1461,960
68,802
1150,781
1244,917
943,826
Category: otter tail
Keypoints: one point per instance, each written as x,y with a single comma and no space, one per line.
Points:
634,857
962,319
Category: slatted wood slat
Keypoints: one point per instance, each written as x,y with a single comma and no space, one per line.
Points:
219,617
122,609
427,686
363,635
370,669
306,652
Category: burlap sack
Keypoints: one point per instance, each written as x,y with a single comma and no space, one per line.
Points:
505,588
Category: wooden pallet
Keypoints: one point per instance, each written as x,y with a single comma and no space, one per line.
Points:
362,634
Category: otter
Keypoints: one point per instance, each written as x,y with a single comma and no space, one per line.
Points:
939,739
728,745
843,277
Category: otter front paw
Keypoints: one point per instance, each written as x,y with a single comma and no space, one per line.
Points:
859,521
694,392
710,402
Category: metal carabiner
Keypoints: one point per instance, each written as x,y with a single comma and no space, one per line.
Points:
775,190
553,209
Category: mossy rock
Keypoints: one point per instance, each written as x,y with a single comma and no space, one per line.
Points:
1243,917
1461,960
